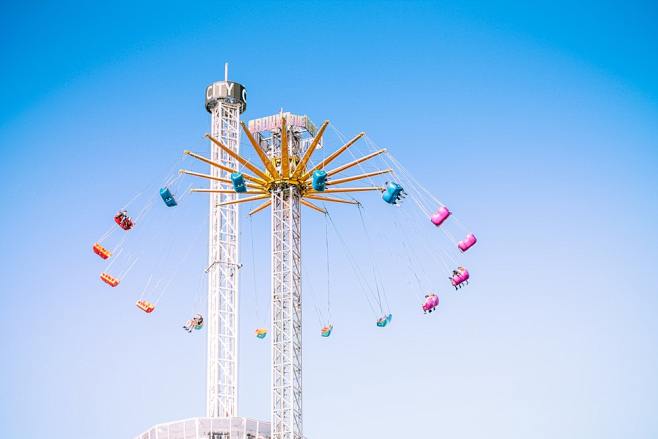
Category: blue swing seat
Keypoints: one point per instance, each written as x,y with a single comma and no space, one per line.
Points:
319,180
167,197
393,193
238,182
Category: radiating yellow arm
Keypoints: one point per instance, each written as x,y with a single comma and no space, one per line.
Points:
212,177
227,191
357,177
261,207
312,206
355,162
333,156
331,199
222,167
261,154
244,200
246,163
206,176
309,152
339,190
210,162
285,159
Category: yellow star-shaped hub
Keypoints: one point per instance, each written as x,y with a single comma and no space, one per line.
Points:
287,170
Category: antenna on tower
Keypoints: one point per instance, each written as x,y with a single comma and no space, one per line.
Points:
226,71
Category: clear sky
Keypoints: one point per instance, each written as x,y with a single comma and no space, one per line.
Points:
535,122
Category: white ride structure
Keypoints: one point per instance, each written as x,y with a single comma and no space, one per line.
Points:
225,101
286,284
284,144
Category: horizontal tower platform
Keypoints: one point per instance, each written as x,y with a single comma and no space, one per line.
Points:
209,428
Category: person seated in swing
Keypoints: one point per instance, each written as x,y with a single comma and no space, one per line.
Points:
459,277
195,321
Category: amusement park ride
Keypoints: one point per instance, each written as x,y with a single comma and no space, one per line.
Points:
285,179
287,183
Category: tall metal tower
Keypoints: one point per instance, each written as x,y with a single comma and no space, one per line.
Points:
287,183
286,290
225,101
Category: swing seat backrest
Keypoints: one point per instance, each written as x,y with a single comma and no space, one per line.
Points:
238,182
440,216
467,242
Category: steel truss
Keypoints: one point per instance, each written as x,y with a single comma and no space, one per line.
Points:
223,265
286,304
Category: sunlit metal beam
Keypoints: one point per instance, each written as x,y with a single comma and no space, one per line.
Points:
265,205
244,200
312,206
333,156
310,150
357,177
347,189
223,168
261,154
226,191
212,177
285,159
355,162
246,163
331,199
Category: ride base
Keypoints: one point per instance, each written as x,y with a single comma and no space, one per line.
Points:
210,428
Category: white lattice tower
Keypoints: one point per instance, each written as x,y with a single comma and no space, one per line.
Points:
286,303
225,101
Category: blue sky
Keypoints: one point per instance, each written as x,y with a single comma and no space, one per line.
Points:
536,124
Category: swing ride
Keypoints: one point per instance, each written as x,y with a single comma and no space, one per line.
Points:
123,220
431,302
384,320
101,251
283,175
145,306
167,197
110,280
440,216
393,193
467,242
195,323
459,277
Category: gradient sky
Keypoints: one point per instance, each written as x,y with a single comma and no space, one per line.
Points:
536,123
